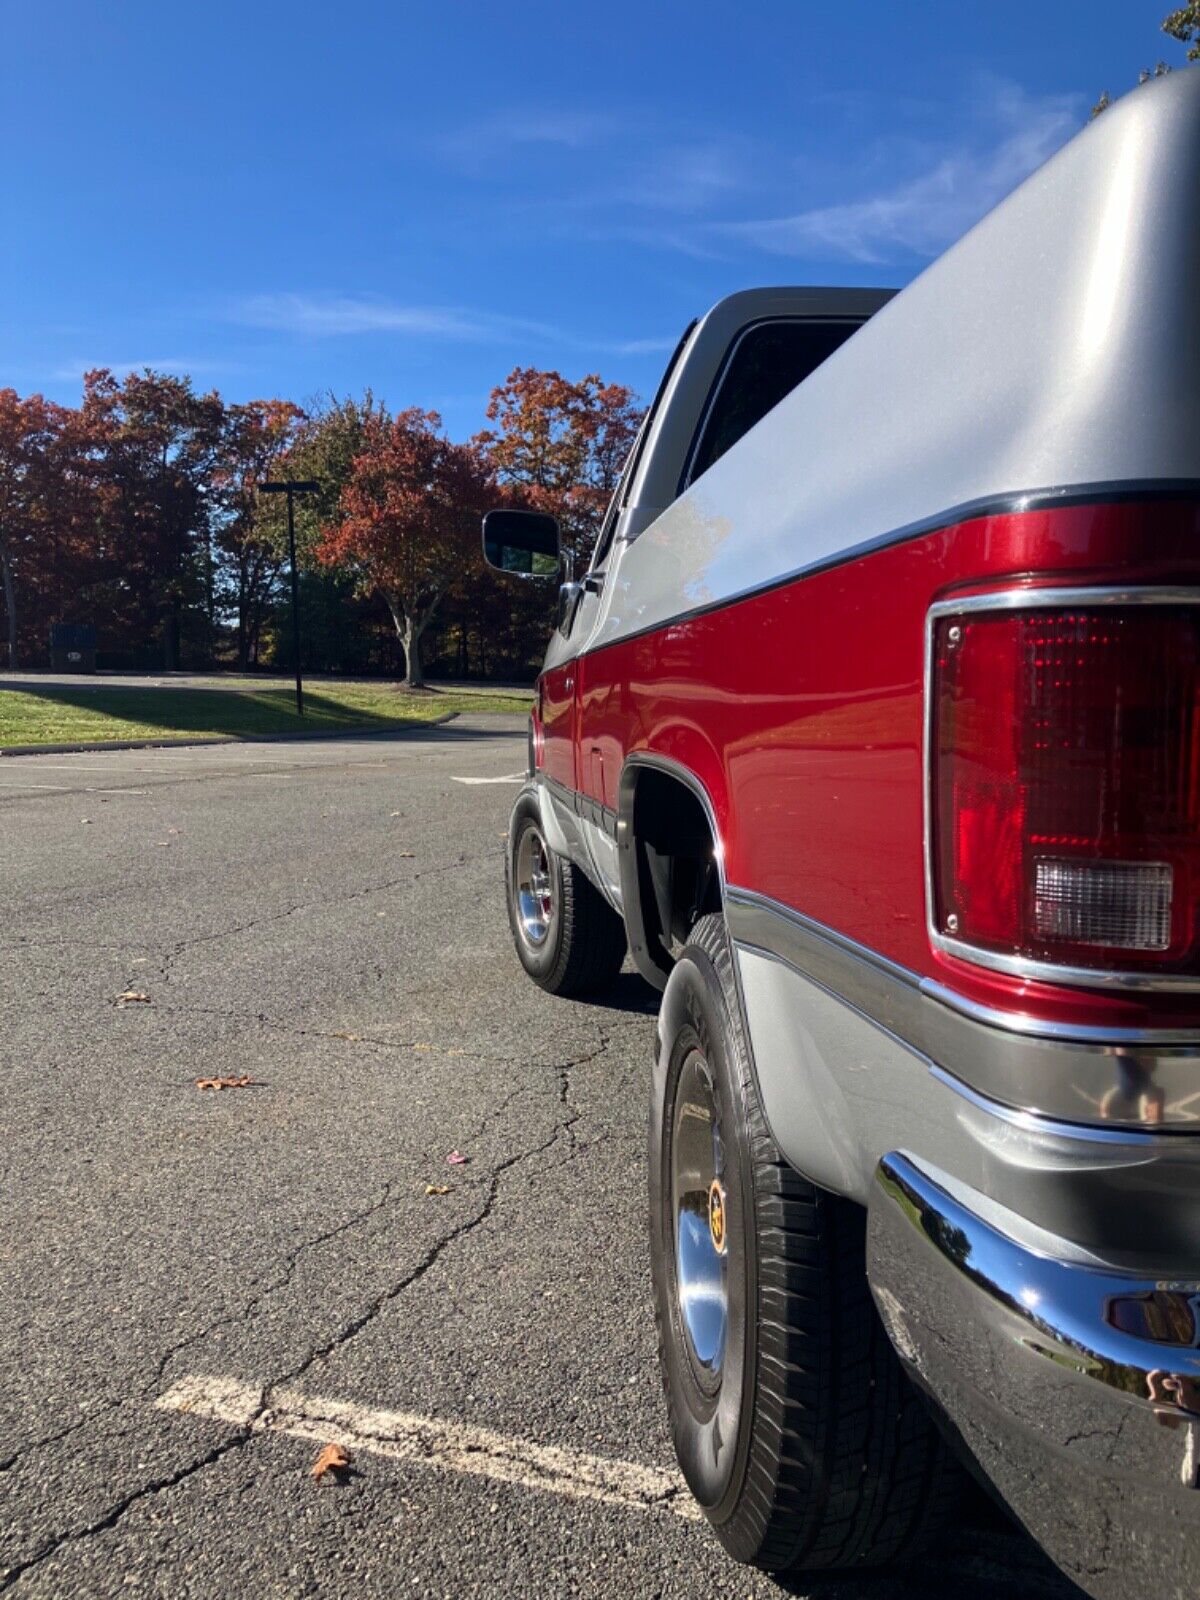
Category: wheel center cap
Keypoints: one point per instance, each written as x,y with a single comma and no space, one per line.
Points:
716,1215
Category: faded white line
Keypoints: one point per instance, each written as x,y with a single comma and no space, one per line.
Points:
429,1442
509,777
62,788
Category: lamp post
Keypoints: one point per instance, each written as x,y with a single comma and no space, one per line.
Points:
292,487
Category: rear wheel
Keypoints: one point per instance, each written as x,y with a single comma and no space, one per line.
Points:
795,1427
568,937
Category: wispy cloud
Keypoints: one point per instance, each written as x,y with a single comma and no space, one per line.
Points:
922,214
194,366
326,316
484,142
683,178
642,347
333,314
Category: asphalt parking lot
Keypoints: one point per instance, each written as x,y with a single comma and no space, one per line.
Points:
201,1288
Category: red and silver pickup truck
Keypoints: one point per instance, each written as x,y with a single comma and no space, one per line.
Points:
872,732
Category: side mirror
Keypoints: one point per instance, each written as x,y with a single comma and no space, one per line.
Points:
524,542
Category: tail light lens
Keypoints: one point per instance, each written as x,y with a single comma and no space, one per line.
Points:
1065,773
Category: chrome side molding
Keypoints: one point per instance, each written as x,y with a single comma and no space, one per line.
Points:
1149,1081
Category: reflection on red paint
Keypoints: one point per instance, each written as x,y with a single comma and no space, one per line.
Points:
800,710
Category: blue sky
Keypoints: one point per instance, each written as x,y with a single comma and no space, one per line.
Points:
418,197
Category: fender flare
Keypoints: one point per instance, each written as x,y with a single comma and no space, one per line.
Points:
653,965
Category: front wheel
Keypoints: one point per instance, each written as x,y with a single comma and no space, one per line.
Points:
568,937
795,1427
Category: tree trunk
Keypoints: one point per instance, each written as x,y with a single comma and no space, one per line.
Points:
409,627
410,638
10,605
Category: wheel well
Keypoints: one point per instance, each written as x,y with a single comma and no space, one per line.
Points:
669,872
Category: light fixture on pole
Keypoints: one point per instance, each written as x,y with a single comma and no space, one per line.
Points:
292,487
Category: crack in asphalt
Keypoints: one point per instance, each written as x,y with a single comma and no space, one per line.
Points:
101,1410
263,1019
349,1330
179,947
324,903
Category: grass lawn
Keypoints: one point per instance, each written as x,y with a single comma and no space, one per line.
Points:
99,713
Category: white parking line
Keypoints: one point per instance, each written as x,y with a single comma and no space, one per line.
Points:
62,788
510,777
428,1442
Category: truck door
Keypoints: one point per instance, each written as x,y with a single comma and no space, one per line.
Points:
557,715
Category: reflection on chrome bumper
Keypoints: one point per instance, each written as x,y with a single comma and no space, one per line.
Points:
1077,1390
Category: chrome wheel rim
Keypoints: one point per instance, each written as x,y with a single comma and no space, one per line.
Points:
535,886
700,1208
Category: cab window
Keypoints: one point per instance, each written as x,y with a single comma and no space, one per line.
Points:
767,361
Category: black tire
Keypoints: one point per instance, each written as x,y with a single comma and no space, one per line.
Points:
813,1452
584,942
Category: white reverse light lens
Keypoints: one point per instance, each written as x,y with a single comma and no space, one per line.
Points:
1122,905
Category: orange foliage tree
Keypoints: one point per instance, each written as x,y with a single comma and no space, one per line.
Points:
409,516
559,446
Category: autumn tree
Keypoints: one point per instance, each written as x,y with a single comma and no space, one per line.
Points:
28,429
1184,25
156,443
406,519
257,437
559,446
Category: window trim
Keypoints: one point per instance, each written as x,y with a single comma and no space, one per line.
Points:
620,496
686,478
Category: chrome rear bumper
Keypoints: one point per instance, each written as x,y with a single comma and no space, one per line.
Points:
1077,1390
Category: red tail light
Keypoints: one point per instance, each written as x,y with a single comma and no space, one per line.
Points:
1065,785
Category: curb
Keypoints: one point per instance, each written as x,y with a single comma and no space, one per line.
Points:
224,738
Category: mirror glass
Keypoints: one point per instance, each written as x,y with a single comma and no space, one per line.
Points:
524,542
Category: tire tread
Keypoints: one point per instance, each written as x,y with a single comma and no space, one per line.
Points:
590,940
846,1467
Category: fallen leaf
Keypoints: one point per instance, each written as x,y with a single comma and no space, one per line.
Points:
335,1458
457,1159
353,1037
85,819
133,997
244,1082
438,1188
422,1047
406,855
